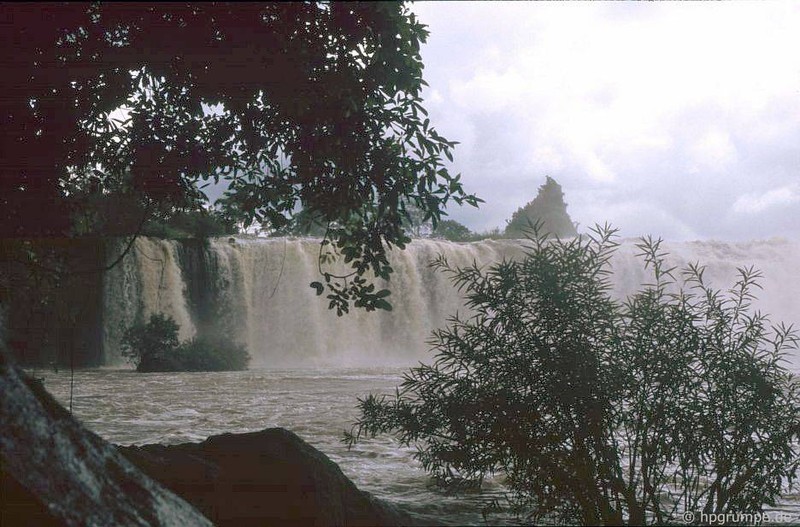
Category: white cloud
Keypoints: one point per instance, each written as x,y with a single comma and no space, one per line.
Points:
496,91
546,157
688,107
776,198
713,151
637,218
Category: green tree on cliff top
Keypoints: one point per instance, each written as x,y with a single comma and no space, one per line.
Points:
548,209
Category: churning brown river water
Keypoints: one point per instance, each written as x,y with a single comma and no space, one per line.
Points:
125,407
128,408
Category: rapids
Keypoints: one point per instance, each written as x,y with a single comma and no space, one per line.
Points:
318,404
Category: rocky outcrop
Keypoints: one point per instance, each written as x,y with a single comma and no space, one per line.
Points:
55,472
271,477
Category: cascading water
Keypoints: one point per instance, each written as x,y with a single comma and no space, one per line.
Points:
148,281
256,291
316,364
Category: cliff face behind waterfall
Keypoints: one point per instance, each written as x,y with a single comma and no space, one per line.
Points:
258,291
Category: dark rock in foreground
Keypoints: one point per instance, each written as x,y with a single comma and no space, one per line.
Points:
55,472
271,477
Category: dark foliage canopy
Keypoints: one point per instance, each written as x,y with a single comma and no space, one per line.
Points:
313,105
453,231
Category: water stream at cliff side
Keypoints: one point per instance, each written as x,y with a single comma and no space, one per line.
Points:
257,291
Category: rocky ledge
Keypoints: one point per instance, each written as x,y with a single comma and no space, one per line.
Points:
271,477
55,472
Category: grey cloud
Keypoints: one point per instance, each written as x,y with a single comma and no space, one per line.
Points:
679,178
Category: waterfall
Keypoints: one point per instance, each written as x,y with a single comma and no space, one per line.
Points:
257,291
149,280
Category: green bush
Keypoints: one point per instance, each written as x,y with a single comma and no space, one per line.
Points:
151,346
599,411
213,354
155,347
190,224
453,231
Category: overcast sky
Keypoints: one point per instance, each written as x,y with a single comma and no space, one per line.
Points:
680,120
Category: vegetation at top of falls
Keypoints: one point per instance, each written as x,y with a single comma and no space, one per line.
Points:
600,411
148,104
198,224
155,347
453,231
303,223
547,210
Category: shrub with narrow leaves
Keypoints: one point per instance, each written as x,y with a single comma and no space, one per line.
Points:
600,411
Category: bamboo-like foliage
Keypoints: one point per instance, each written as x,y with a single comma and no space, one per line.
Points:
600,411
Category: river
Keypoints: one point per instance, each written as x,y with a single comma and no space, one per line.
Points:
127,408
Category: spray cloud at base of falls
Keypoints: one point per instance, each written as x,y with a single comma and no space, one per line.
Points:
257,291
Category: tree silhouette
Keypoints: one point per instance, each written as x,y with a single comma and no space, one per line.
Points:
313,106
453,231
548,209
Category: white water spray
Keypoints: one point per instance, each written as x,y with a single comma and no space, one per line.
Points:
260,289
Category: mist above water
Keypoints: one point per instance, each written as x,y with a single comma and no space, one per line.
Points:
257,291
